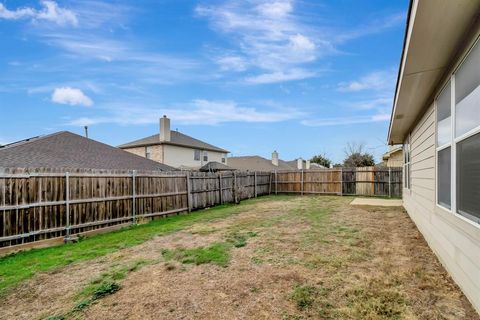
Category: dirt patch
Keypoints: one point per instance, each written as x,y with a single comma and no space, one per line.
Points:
306,257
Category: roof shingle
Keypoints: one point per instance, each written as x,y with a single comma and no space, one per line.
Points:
68,150
177,139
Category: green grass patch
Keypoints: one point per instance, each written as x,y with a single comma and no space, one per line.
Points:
239,240
377,302
18,267
217,253
306,296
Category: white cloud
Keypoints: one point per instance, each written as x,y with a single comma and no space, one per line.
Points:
377,80
200,111
267,36
71,96
280,76
234,63
380,117
276,9
50,12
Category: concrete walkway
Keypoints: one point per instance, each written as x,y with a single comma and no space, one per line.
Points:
377,202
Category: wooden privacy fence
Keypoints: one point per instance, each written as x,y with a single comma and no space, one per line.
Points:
43,204
363,181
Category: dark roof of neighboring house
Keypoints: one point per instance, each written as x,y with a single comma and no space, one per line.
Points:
313,165
68,150
215,166
176,139
257,163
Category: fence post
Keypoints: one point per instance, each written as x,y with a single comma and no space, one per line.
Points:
67,206
270,183
389,182
134,197
255,183
301,186
189,192
234,187
341,181
220,186
276,184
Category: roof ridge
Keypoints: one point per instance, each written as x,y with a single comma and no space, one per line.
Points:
30,140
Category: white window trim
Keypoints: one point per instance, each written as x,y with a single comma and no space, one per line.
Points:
445,145
475,221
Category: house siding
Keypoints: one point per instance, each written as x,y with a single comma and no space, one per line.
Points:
454,240
156,152
177,156
395,159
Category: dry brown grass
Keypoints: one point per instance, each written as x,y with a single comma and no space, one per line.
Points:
306,257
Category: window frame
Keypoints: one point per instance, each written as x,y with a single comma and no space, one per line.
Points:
449,82
407,163
205,155
454,141
148,152
195,153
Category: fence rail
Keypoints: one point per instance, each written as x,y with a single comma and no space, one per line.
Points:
50,204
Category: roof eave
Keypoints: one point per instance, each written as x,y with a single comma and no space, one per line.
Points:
438,27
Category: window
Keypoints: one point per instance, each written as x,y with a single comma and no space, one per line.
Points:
458,141
406,166
444,138
196,155
468,177
148,152
205,156
444,174
467,136
444,122
223,159
467,94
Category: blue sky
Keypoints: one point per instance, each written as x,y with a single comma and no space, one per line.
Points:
302,77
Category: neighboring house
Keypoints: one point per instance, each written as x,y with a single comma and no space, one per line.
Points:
215,167
300,164
436,115
66,150
393,157
257,163
176,149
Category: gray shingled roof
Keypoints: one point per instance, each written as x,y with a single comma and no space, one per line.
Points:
215,166
68,150
257,163
177,139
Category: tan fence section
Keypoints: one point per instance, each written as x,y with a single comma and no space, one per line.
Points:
365,181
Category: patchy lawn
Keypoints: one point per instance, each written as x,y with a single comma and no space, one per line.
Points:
285,257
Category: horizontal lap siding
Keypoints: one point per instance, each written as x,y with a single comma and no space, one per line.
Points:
455,241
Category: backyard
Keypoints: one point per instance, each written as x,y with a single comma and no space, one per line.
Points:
274,257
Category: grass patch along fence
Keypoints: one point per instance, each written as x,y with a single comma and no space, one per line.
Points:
41,205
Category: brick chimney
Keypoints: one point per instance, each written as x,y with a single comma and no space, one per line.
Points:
164,129
275,158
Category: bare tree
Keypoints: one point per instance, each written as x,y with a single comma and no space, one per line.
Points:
356,156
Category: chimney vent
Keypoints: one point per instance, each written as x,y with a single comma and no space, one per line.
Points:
275,158
86,132
299,163
164,128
